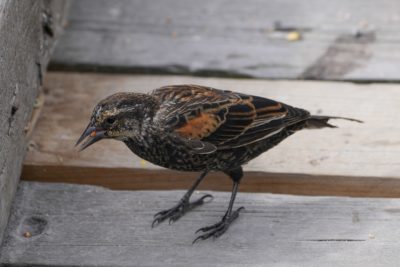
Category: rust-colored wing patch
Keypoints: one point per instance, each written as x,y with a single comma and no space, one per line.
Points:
199,127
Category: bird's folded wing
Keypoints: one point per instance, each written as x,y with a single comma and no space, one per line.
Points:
223,119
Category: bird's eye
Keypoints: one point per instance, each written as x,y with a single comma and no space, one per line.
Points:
110,120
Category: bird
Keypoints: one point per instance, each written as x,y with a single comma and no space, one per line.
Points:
198,129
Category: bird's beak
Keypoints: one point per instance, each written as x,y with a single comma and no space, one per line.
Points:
94,133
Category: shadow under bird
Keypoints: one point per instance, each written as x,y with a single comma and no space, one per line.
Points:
200,129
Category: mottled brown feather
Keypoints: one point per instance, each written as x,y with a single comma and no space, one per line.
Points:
223,118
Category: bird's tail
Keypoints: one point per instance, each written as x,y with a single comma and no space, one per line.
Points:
317,122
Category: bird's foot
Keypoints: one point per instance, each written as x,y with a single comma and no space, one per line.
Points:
218,229
178,210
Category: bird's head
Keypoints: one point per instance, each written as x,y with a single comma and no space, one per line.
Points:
119,116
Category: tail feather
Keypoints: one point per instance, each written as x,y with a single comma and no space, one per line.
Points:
317,122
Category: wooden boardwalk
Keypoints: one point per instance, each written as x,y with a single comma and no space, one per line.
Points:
75,225
96,221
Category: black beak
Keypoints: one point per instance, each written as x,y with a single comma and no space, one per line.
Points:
94,133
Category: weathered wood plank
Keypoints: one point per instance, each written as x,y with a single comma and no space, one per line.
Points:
28,30
354,153
75,225
340,40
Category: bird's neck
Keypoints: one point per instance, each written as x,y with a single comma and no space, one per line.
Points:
150,106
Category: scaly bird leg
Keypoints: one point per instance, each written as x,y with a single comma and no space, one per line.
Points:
183,205
218,229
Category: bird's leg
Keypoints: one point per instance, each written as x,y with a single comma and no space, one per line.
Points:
220,227
183,205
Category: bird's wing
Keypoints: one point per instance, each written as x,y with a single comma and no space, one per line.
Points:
222,119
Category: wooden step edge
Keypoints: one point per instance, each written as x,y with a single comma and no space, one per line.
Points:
280,183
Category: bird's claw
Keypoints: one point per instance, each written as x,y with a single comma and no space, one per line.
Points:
218,229
178,210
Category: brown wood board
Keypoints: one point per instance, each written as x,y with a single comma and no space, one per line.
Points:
280,183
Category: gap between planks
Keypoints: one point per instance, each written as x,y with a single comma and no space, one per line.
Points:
354,160
280,183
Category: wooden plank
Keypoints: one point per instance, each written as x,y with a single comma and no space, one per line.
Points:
340,40
75,225
28,31
351,159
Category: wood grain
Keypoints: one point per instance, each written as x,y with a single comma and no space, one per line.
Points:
25,48
74,225
339,40
360,154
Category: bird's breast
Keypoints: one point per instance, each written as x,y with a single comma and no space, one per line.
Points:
166,153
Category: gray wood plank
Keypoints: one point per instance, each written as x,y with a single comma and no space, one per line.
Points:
28,30
340,40
75,225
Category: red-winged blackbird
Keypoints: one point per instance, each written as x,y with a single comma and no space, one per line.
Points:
196,128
